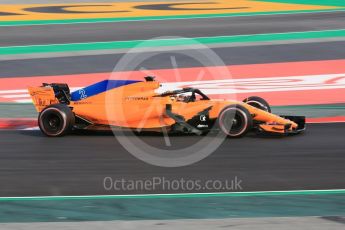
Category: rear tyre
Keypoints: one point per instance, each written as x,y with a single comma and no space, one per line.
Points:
258,102
235,121
56,120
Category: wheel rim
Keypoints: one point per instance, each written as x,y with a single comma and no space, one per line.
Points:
233,122
53,122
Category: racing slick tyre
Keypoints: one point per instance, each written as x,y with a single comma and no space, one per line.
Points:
235,121
258,102
56,120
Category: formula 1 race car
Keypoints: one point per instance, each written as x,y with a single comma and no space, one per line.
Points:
136,105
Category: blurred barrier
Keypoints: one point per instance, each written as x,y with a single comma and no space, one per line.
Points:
17,123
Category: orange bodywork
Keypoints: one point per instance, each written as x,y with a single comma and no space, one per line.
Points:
138,105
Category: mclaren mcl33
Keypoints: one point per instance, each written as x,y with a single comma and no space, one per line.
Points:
137,105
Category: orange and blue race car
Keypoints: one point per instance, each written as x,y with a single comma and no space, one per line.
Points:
137,105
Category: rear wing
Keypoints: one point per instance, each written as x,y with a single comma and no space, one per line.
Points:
48,94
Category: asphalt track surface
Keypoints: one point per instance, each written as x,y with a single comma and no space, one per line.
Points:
229,55
142,30
78,164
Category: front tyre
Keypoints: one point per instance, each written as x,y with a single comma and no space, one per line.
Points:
235,121
56,120
258,102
